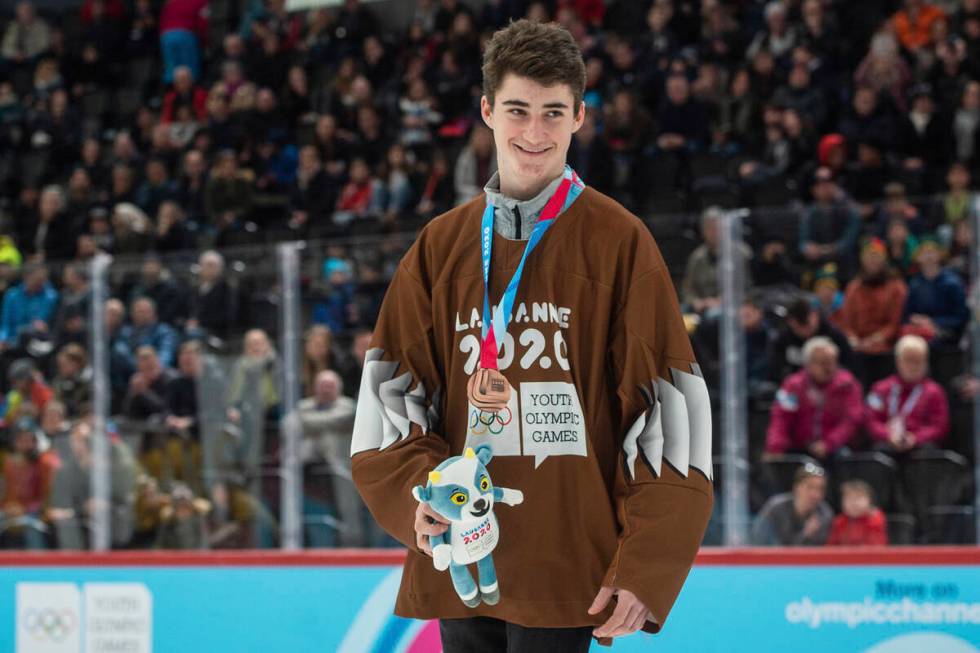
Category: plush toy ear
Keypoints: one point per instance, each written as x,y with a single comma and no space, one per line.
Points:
421,493
484,453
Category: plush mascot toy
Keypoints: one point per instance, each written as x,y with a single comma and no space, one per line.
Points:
460,490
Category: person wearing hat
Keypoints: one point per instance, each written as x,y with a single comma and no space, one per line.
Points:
872,312
832,153
28,392
800,517
828,298
936,304
830,225
27,478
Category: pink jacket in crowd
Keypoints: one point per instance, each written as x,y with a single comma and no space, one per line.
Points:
927,416
804,412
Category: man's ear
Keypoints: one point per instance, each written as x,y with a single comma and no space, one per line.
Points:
579,117
486,111
422,493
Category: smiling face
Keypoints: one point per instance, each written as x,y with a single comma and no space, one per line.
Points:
532,128
463,491
912,364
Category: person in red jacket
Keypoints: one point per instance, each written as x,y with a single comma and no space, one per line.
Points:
28,474
860,522
184,92
907,410
183,28
818,409
914,24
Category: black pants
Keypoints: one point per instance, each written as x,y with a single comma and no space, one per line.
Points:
489,635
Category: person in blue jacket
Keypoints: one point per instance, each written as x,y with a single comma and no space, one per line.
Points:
936,303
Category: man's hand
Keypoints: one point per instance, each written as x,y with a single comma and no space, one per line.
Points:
178,423
428,522
628,617
811,251
968,389
811,525
907,441
138,384
818,449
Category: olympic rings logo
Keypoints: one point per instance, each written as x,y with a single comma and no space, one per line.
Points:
482,421
47,623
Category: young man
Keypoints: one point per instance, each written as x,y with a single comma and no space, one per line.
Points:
606,429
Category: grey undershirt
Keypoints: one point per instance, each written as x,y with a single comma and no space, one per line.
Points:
507,208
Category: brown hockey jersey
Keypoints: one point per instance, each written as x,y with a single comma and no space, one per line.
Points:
608,429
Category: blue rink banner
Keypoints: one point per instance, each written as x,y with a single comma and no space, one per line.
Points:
300,606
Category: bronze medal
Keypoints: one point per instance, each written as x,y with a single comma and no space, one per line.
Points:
488,390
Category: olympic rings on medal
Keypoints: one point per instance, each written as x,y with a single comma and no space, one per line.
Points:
482,421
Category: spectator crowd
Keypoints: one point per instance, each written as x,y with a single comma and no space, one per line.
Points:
183,137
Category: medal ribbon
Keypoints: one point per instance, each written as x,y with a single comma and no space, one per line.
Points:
910,401
566,193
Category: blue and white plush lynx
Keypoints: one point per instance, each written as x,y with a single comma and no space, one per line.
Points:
460,490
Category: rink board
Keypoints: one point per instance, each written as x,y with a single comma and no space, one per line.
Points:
874,601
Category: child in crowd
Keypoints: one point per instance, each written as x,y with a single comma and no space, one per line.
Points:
860,522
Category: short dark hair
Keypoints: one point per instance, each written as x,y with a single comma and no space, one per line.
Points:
799,310
546,53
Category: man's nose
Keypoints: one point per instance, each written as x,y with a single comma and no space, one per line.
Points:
535,131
